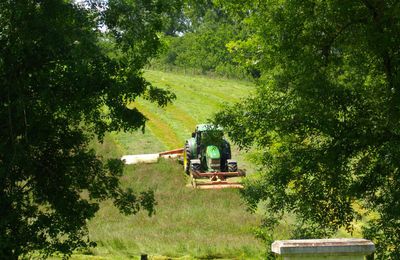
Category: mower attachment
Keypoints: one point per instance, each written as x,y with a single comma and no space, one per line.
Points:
215,180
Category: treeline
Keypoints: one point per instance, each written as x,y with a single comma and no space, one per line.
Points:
199,42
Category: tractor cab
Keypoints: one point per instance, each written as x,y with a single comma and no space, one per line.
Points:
209,147
208,135
209,139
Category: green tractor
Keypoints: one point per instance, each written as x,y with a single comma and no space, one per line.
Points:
207,155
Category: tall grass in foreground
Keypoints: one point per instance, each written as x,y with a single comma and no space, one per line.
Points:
189,223
193,223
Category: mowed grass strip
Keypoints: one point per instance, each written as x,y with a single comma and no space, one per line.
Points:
179,115
224,89
168,120
198,98
160,128
139,142
200,105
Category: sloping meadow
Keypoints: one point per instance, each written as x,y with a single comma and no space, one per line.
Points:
188,223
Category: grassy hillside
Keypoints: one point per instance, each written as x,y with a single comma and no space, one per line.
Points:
197,99
188,223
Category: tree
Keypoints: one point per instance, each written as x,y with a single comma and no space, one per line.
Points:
60,89
325,116
202,44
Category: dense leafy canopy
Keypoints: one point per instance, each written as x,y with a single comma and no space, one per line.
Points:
201,44
325,115
58,88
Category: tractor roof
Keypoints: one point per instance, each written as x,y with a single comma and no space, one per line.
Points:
206,127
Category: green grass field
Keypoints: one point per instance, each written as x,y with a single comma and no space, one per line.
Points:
188,224
198,98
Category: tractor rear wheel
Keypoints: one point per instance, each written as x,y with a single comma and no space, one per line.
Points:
225,155
232,166
196,167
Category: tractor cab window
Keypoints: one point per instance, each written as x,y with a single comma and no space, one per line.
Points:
212,137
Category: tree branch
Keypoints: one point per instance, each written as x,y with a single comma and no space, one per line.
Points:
326,48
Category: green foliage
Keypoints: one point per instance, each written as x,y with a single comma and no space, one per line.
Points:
202,47
326,114
60,88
